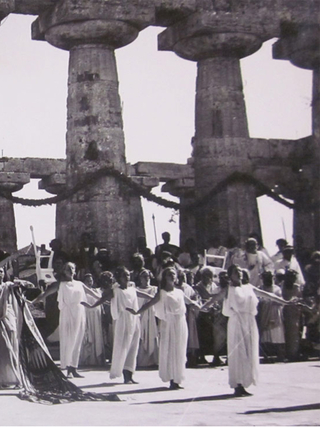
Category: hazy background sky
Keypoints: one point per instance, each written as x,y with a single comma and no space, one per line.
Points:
158,95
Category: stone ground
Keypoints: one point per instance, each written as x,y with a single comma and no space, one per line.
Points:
287,394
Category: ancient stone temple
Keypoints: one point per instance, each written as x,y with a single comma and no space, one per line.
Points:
228,170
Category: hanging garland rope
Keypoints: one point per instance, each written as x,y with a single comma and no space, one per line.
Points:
92,177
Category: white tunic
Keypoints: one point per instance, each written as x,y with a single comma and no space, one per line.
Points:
126,331
171,310
72,322
243,336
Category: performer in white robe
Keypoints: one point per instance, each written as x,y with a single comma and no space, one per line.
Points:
72,323
126,332
123,295
240,306
170,308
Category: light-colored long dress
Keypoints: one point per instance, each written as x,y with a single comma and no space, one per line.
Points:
72,322
171,310
148,353
9,344
240,307
126,330
92,350
271,319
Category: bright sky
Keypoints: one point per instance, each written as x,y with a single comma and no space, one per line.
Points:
158,94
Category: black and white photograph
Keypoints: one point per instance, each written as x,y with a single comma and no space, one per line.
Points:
159,212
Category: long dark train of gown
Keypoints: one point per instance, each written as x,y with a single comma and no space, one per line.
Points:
42,381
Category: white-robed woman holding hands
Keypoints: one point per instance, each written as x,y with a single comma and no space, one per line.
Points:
72,320
170,308
240,306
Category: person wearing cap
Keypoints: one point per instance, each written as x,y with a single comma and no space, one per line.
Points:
289,261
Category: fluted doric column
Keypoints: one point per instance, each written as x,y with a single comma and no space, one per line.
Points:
220,144
106,209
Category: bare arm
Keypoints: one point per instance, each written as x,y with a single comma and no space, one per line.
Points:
90,291
189,301
142,294
147,305
214,298
106,296
51,289
270,296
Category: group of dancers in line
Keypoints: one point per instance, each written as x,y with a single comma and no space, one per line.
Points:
169,303
25,360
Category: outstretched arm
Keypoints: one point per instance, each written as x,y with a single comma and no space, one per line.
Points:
89,291
189,301
106,296
212,300
142,294
270,296
147,305
51,289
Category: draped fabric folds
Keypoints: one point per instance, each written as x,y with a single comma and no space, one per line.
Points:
41,379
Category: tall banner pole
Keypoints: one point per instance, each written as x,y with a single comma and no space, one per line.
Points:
154,229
